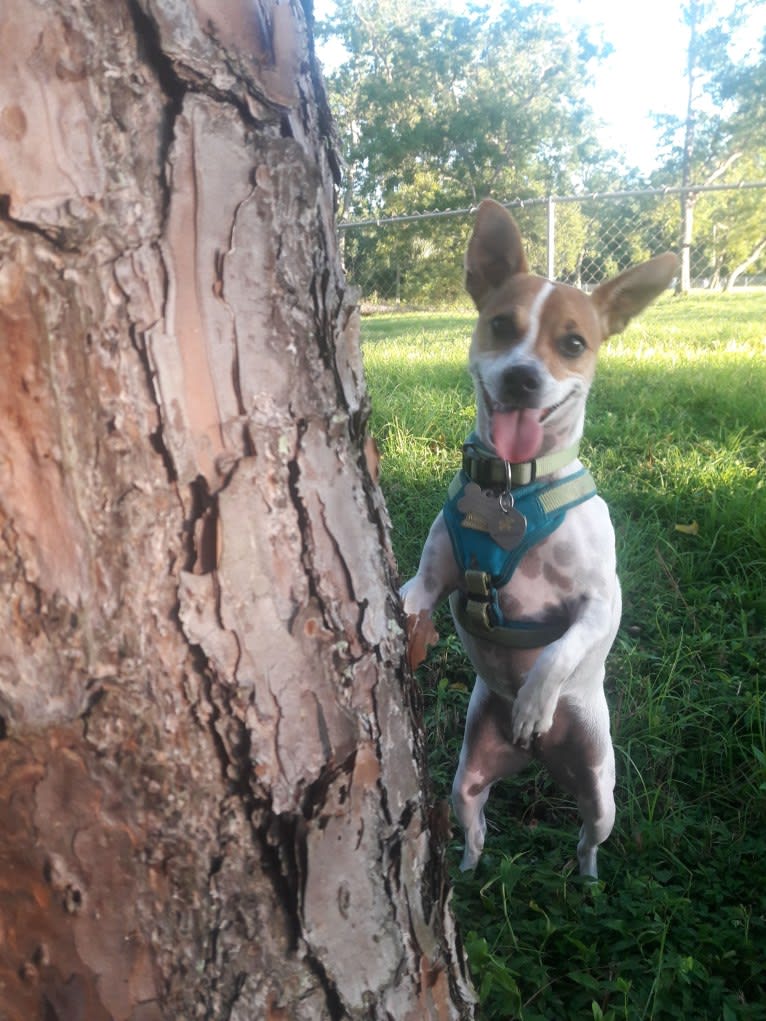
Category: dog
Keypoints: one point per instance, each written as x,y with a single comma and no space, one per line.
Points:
524,548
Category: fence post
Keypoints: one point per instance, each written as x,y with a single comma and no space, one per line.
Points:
687,200
551,239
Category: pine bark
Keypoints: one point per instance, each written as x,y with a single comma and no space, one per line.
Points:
212,789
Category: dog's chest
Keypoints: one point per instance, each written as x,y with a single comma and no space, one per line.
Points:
545,583
574,563
551,584
543,588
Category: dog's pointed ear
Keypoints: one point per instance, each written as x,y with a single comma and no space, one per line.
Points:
618,300
495,251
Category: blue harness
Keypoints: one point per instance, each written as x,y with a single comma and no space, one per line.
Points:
477,513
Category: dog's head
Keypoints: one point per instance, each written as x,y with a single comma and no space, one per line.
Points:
533,352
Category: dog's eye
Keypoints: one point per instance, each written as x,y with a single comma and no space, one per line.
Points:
503,328
572,345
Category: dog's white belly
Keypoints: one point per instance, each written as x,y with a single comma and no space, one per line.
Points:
504,670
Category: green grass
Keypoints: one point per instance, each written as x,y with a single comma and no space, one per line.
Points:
676,436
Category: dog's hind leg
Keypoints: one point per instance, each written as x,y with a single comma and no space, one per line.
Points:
597,812
486,756
579,755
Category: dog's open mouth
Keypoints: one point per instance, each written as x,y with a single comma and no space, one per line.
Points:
517,433
546,412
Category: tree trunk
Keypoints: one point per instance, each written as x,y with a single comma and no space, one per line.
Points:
211,786
755,254
688,199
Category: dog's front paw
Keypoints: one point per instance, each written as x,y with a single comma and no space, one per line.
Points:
415,597
532,713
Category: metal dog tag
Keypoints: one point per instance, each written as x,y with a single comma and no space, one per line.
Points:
508,526
484,511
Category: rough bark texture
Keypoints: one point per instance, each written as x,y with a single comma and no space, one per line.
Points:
211,798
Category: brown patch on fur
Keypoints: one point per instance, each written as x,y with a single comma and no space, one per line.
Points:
512,608
563,553
431,581
565,582
570,751
531,566
565,311
513,300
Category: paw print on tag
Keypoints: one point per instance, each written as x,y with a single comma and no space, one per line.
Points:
483,511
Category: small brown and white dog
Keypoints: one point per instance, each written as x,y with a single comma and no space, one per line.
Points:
523,547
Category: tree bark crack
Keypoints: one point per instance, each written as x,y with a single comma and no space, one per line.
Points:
219,289
173,88
59,238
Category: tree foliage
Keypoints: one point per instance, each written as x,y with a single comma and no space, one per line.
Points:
721,139
438,108
726,75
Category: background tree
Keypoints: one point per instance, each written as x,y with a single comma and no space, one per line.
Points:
744,85
730,227
211,788
704,146
705,50
437,109
741,86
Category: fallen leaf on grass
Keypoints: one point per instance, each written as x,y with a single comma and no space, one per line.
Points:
421,634
692,529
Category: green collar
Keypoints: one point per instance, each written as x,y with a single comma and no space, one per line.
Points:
486,469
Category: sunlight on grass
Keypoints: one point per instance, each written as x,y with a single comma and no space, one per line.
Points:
676,439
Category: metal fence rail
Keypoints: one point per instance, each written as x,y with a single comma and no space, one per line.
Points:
415,259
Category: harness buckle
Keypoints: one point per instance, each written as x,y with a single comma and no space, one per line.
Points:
478,586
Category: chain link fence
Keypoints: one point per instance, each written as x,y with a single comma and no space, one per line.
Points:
416,260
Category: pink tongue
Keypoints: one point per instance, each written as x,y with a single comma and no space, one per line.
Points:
517,435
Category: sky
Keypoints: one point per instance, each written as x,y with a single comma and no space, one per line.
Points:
644,75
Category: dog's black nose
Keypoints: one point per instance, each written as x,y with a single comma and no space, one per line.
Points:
521,384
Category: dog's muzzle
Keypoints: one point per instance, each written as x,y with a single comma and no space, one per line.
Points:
521,386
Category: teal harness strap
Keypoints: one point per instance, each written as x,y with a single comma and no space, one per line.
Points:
486,566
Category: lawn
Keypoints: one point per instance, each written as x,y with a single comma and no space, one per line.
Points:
676,439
